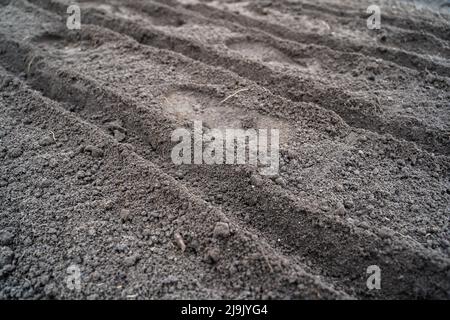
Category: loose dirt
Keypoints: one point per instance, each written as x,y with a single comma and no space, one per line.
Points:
86,178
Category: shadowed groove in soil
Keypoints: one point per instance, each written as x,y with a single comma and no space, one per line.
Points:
272,56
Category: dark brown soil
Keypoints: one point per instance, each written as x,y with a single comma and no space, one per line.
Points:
86,177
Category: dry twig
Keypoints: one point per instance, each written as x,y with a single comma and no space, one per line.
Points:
232,95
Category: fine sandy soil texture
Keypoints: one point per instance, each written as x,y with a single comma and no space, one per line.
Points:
87,182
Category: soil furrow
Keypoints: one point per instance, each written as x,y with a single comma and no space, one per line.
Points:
411,39
358,112
161,191
244,18
399,17
85,143
272,216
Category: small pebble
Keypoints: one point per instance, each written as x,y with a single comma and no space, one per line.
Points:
256,180
14,152
221,230
125,215
46,141
180,242
131,260
280,181
348,204
6,256
212,255
119,136
121,247
340,210
6,238
94,151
